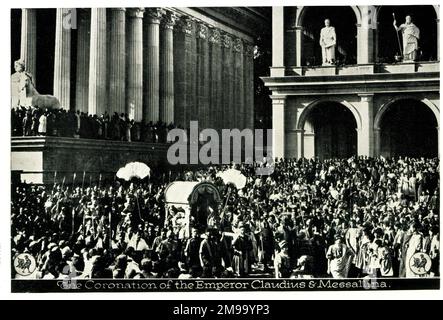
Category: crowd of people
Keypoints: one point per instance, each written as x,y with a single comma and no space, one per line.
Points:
357,217
63,123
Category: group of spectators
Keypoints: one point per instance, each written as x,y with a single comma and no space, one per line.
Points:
63,123
338,218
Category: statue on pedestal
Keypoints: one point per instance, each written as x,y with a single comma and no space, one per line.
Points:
411,35
23,90
328,41
18,85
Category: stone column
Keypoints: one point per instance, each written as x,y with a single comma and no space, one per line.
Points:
151,66
167,68
298,46
117,63
249,86
365,134
377,145
28,42
438,39
97,101
278,126
239,84
300,143
62,60
365,36
134,64
202,75
278,32
228,87
183,38
82,63
216,107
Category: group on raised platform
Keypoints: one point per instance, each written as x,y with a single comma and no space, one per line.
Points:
358,217
61,123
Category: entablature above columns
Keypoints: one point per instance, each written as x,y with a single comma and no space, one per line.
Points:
354,84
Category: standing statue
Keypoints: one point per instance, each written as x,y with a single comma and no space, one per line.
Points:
328,41
411,35
23,91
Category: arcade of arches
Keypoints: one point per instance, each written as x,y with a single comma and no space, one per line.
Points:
368,101
401,127
364,33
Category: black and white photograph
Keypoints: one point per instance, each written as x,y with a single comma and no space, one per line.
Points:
254,148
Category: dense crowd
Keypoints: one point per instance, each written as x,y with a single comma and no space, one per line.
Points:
310,218
63,123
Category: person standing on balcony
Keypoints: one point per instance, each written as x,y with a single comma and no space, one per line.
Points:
411,35
328,41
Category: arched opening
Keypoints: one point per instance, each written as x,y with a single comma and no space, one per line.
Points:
424,17
408,128
330,131
344,21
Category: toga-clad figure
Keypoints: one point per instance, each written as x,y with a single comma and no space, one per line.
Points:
18,90
328,41
411,35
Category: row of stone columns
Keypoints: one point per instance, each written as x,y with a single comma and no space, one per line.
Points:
150,64
213,77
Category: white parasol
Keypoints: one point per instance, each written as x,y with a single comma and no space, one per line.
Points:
134,170
233,176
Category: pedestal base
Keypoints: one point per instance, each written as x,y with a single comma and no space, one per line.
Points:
38,158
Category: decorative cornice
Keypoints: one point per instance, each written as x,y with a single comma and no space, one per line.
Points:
418,82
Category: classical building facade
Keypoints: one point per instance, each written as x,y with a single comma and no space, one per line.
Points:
167,64
368,104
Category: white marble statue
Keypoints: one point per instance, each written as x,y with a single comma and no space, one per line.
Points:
411,35
328,41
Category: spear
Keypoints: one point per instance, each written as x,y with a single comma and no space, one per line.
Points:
398,37
83,180
73,222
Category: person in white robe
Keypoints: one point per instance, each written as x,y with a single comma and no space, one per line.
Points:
339,259
414,245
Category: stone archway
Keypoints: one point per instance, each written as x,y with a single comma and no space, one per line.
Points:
301,10
310,19
407,126
329,129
